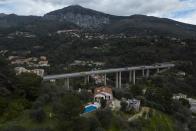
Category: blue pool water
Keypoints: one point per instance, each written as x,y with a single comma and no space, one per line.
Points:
90,109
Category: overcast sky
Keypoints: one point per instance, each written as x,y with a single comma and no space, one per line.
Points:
181,10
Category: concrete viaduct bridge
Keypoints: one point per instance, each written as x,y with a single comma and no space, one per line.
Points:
118,71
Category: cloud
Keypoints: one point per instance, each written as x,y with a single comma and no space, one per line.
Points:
188,18
27,7
176,9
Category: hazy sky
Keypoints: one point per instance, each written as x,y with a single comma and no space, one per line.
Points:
181,10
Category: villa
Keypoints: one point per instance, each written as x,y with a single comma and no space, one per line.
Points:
179,96
38,72
103,93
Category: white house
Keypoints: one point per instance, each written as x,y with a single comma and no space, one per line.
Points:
179,96
20,70
103,93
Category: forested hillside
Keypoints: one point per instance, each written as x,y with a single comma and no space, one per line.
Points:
76,39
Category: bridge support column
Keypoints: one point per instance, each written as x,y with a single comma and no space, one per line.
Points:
158,70
143,73
134,77
120,80
130,76
117,80
66,84
86,79
147,73
105,79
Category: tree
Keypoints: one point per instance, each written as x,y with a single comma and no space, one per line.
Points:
3,105
81,124
122,93
105,117
15,108
28,85
159,96
123,106
192,125
68,107
103,103
136,90
185,102
7,79
67,110
180,112
38,114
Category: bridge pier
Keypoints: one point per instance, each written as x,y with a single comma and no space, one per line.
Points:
120,84
130,76
147,73
66,84
117,80
86,79
134,77
143,73
105,79
158,70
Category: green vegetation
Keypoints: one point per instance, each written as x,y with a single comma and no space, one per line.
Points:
159,121
26,103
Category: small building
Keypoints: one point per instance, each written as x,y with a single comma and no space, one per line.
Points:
20,70
39,72
43,58
13,57
133,104
103,93
179,96
98,79
43,63
53,81
181,74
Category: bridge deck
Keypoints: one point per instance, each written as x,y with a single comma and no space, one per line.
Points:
81,74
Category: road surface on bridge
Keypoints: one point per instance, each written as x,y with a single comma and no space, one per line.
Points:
106,71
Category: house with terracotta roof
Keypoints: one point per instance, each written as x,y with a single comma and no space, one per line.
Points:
103,93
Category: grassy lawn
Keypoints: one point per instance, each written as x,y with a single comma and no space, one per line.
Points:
160,122
25,121
157,121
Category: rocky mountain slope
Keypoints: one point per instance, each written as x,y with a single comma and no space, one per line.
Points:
79,17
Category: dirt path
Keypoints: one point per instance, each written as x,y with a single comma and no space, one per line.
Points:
139,114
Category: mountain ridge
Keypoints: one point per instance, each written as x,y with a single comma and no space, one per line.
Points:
80,16
89,19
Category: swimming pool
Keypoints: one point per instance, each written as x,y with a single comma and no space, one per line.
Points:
89,108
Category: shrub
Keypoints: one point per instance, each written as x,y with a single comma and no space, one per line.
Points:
37,104
14,128
68,107
122,93
40,129
103,103
123,106
38,115
15,108
185,102
3,105
105,117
